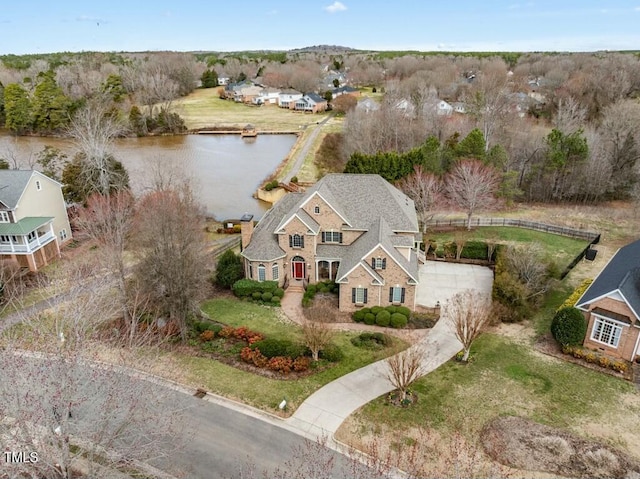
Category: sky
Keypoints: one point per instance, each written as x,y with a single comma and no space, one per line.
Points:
44,26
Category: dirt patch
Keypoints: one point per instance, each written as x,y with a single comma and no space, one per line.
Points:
524,444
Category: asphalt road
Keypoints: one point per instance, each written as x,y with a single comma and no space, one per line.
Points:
211,440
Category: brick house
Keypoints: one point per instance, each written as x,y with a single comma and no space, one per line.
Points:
33,218
357,230
611,306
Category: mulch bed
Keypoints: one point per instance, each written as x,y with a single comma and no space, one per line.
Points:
547,345
524,444
395,399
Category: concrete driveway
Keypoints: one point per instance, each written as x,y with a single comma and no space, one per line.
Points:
439,281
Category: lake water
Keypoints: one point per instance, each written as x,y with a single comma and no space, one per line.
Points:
225,169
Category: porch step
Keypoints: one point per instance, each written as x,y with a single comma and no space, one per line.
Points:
295,289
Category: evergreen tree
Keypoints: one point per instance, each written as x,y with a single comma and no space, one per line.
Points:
17,109
472,146
50,105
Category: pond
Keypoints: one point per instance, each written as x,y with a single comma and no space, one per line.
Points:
225,170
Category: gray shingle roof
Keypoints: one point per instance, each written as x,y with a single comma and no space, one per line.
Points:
12,184
379,234
622,273
264,243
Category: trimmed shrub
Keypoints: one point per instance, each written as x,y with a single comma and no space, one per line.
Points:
376,309
256,295
279,292
201,326
403,310
331,353
312,289
358,316
569,326
271,185
371,340
322,288
207,335
475,250
366,310
383,318
275,301
392,309
369,318
398,320
306,302
267,296
246,287
272,348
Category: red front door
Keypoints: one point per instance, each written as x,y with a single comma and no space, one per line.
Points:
298,270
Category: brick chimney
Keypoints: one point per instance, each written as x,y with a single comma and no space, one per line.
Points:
246,230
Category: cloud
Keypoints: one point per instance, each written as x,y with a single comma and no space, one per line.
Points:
336,7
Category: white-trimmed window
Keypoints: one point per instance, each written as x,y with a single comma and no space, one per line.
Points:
331,237
63,234
606,331
316,210
38,185
275,272
4,216
5,239
359,295
379,263
32,236
396,294
262,275
296,241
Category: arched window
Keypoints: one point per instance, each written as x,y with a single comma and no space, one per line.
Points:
261,272
296,241
275,272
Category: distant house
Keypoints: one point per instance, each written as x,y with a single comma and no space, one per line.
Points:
345,90
310,103
367,105
288,97
33,218
611,306
459,107
246,93
223,79
357,230
267,96
329,81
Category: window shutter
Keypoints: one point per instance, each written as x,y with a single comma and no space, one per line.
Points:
324,239
390,295
384,263
373,263
340,237
402,296
353,295
365,295
290,241
301,241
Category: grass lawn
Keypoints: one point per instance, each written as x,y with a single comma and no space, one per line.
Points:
559,248
262,392
505,378
204,108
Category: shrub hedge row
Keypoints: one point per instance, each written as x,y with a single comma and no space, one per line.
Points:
394,316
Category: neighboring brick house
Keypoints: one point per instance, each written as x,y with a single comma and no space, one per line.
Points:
288,98
611,306
357,230
33,218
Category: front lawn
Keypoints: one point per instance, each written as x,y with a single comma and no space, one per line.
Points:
505,378
259,391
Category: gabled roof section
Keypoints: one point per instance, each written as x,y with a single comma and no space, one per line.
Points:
264,244
14,182
314,97
621,274
303,216
380,235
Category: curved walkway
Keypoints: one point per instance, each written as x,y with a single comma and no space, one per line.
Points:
322,413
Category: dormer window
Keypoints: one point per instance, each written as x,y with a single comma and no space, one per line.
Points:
316,210
4,217
38,185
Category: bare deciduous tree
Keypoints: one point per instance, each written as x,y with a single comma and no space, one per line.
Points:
527,262
469,312
404,368
93,129
471,186
425,189
172,266
108,220
315,333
